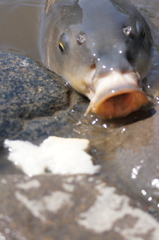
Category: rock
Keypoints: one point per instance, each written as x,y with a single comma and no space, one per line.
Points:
27,90
73,207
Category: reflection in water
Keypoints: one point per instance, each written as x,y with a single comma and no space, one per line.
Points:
155,183
143,192
135,170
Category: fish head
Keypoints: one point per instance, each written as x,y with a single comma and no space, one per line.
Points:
103,49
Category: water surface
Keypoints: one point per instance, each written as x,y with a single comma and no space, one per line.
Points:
19,26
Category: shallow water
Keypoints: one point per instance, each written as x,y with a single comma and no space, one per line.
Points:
19,26
127,154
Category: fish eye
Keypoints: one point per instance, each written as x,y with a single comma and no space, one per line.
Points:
63,43
127,30
61,47
140,29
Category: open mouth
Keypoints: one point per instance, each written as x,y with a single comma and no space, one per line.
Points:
116,95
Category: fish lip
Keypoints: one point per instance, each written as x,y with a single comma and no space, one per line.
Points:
116,85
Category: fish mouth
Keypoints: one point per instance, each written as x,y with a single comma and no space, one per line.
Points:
116,95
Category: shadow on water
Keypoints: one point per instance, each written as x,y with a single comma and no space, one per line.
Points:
140,115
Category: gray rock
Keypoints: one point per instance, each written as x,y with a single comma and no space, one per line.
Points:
27,90
74,207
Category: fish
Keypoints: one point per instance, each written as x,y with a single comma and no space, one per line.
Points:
103,49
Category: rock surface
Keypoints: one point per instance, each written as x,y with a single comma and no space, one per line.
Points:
74,207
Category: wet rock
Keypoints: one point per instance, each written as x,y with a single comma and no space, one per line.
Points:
27,90
74,207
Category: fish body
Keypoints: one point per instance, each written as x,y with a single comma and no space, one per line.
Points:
102,48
